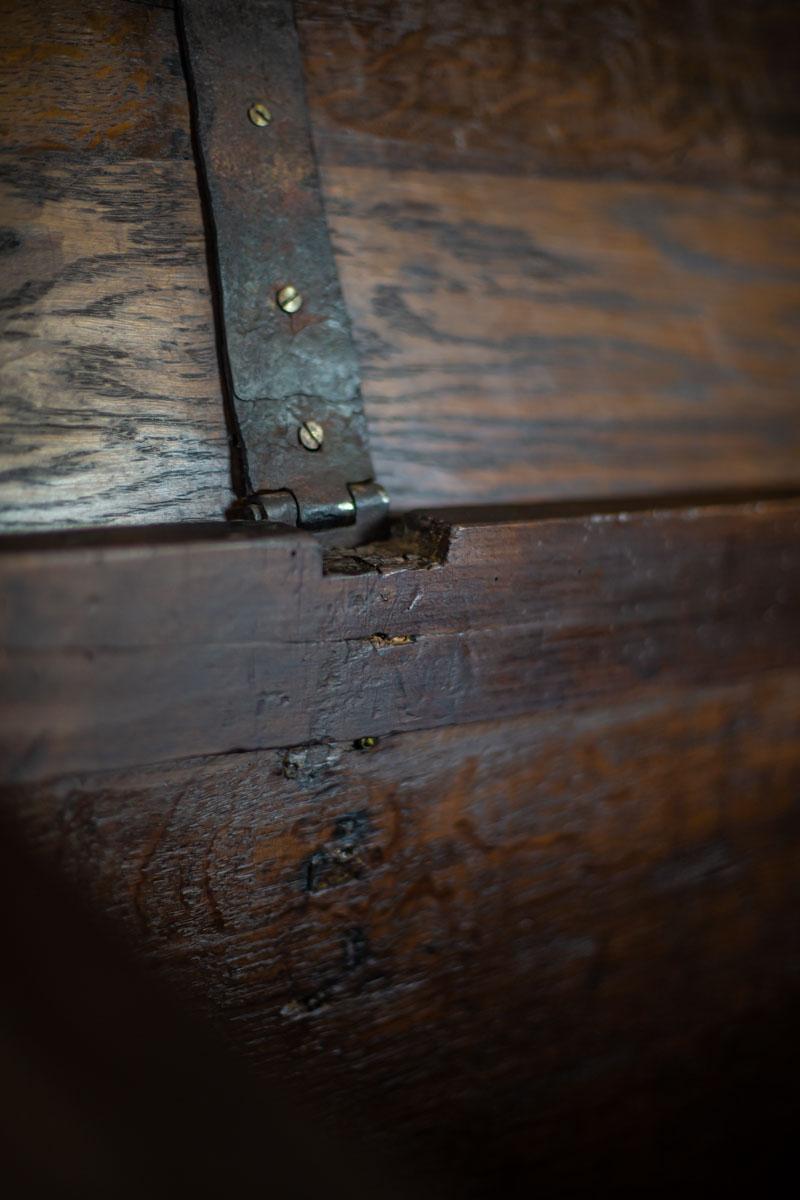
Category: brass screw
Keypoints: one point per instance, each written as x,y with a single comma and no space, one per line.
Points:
289,299
311,435
259,114
365,743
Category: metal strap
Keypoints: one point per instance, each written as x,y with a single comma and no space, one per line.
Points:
290,365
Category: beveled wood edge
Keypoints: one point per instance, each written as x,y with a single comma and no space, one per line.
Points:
441,520
121,654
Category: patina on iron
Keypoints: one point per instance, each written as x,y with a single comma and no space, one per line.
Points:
288,364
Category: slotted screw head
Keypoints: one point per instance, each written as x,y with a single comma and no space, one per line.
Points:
259,114
311,435
289,299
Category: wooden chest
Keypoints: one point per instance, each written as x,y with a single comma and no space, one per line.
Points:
479,821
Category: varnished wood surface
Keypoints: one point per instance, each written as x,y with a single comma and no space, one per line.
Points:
91,79
561,948
108,1086
544,929
571,323
111,406
453,620
529,339
677,90
666,91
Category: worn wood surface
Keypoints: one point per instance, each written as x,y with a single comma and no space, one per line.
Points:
540,924
91,80
543,338
453,620
679,90
108,1086
560,948
111,407
538,313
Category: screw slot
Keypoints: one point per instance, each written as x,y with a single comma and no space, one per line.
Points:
289,299
259,114
311,435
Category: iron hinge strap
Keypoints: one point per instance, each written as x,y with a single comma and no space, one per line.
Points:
290,366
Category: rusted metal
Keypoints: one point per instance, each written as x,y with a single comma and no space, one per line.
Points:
285,366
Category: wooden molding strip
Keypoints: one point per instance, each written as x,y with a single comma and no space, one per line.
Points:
120,651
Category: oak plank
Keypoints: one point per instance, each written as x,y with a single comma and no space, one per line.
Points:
540,947
528,339
678,91
668,91
553,330
454,621
588,340
91,79
111,406
110,1083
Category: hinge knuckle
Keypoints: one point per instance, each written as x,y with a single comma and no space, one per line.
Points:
366,513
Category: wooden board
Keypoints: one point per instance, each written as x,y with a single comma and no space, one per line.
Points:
556,942
92,79
529,339
233,639
487,836
108,1086
547,316
680,91
111,407
557,948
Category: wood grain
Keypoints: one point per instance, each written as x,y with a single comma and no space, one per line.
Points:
111,406
683,91
584,340
525,339
90,80
532,323
560,947
677,91
452,622
488,835
108,1086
